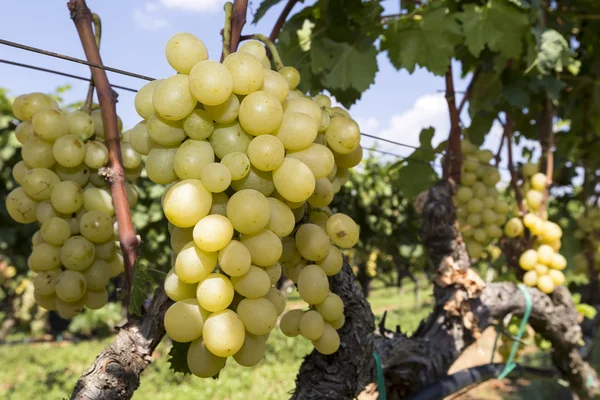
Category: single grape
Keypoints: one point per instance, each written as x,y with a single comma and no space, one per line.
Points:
530,278
69,151
79,174
98,275
44,282
333,262
37,153
226,112
282,220
67,197
558,262
192,264
234,259
56,231
266,152
202,362
210,82
545,284
215,292
238,165
249,211
312,325
223,333
213,233
219,204
265,247
77,253
185,320
106,251
215,177
338,323
528,260
260,113
69,309
26,106
143,99
131,158
44,257
256,179
199,125
191,158
255,49
538,182
252,351
297,130
246,72
534,199
50,124
39,182
343,135
329,342
24,131
70,286
253,284
186,203
275,296
514,228
312,242
96,299
294,180
291,76
19,171
323,194
229,138
317,157
290,323
172,98
176,289
558,278
313,285
180,237
331,308
183,51
275,84
165,132
98,199
259,316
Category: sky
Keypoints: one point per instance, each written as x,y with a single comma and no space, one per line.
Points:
397,106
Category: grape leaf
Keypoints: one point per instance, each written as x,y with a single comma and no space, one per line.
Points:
178,357
414,177
497,24
554,54
263,8
139,285
480,126
427,41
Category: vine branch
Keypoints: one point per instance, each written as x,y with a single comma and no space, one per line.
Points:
98,35
82,17
282,17
469,90
238,20
453,160
508,134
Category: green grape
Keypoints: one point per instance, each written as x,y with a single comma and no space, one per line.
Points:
293,271
44,282
325,122
37,239
79,174
105,251
38,183
172,98
275,84
132,194
331,308
246,72
312,325
333,263
253,284
322,100
19,171
98,199
343,175
558,278
165,132
290,254
249,211
282,220
56,231
329,342
186,203
238,165
69,309
213,232
234,259
69,151
343,135
193,264
215,292
291,76
50,124
223,333
229,138
140,140
475,205
180,237
317,157
97,179
191,158
464,194
73,220
297,130
219,204
26,106
491,177
256,179
44,257
67,197
313,285
312,242
545,284
266,152
183,51
96,116
24,131
198,125
37,153
131,158
493,231
255,49
96,226
98,275
342,230
80,124
95,299
115,264
501,207
176,289
528,260
126,136
294,180
304,105
70,286
265,247
215,177
513,228
77,253
252,351
275,296
260,113
185,320
468,178
339,111
226,112
290,323
202,362
323,194
480,235
259,316
473,220
210,82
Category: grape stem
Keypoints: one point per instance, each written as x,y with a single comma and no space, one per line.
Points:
453,161
270,45
282,17
82,17
89,99
227,30
238,20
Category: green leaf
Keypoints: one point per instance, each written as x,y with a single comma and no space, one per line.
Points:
263,8
498,25
554,54
343,65
516,96
480,127
586,310
139,285
415,177
178,357
427,41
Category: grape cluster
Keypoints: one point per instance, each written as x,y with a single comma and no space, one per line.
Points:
74,252
480,211
507,342
251,165
543,263
588,229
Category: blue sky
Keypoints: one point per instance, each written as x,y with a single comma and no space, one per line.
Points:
397,106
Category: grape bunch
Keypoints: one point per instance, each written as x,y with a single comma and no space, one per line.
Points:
480,211
74,252
543,263
251,166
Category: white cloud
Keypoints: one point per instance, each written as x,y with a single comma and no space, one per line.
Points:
194,5
148,17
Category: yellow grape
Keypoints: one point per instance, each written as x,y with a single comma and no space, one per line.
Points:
198,125
229,138
541,269
246,72
260,113
266,152
193,264
333,262
291,75
143,99
238,165
213,232
313,285
265,247
191,158
297,130
202,362
223,333
514,227
342,230
44,282
259,316
183,51
215,292
39,182
176,289
66,197
210,82
180,237
165,132
530,278
290,323
95,299
160,165
219,204
282,220
184,320
96,226
289,255
343,135
98,275
534,199
312,242
317,157
558,262
186,203
77,253
56,231
68,309
215,177
256,179
538,182
98,199
50,124
545,254
294,180
275,296
312,325
19,171
96,154
253,284
234,259
249,211
558,278
329,342
331,308
226,112
275,84
545,284
255,49
274,272
323,194
252,351
70,286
